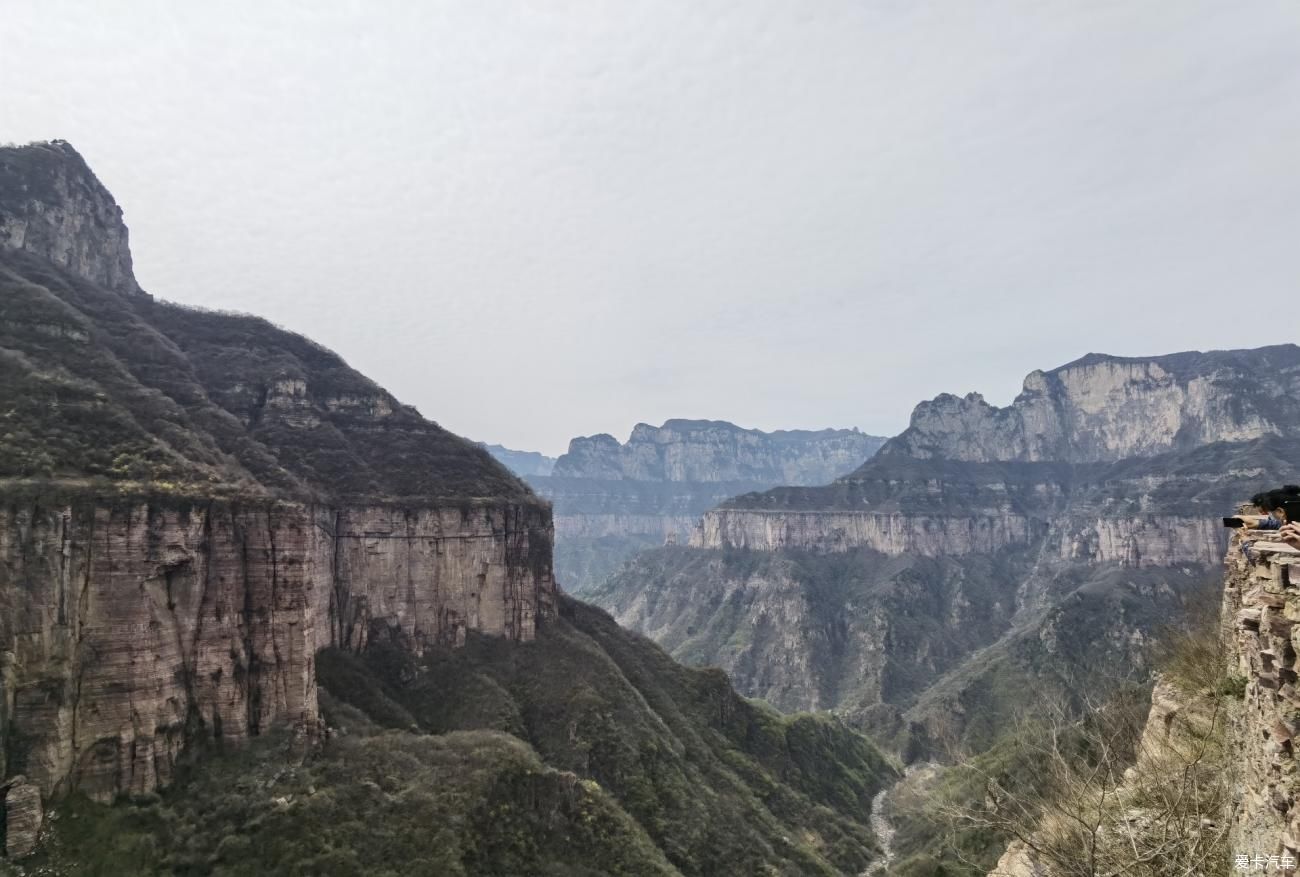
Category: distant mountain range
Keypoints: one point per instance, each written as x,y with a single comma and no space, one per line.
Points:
613,499
525,464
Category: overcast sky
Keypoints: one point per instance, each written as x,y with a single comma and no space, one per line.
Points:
540,220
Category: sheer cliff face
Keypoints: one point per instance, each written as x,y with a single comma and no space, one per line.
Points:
133,627
983,551
192,504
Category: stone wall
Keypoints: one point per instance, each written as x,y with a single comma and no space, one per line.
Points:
1261,610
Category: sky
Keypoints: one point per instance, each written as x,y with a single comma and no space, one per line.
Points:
541,220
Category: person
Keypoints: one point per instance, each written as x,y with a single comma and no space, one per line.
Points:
1271,503
1290,534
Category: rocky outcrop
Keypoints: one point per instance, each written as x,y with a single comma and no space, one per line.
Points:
23,818
52,206
714,450
1018,861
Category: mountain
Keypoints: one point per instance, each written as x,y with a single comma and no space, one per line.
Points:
525,464
614,499
196,502
1109,408
984,553
286,624
716,451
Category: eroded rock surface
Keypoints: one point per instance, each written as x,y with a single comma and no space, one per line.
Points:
23,818
129,629
1262,619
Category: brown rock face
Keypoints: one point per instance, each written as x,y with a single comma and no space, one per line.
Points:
126,630
23,818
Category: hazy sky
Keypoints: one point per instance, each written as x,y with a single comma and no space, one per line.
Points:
539,220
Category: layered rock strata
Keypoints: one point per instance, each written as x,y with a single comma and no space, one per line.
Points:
1150,540
1103,408
130,628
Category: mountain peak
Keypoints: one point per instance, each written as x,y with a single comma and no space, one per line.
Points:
53,206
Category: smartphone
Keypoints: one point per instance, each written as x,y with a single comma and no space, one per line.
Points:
1291,508
1233,522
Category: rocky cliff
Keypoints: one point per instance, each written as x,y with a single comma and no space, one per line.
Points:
192,504
614,499
1110,408
52,206
963,564
132,626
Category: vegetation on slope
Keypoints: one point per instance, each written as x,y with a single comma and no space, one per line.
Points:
128,390
1120,787
588,751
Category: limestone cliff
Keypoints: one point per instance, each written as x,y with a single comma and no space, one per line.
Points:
192,504
132,626
1109,408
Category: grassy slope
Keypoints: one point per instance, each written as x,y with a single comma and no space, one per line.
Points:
101,385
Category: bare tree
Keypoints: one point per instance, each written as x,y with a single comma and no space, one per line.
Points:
1111,791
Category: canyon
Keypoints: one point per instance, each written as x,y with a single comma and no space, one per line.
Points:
983,552
612,499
